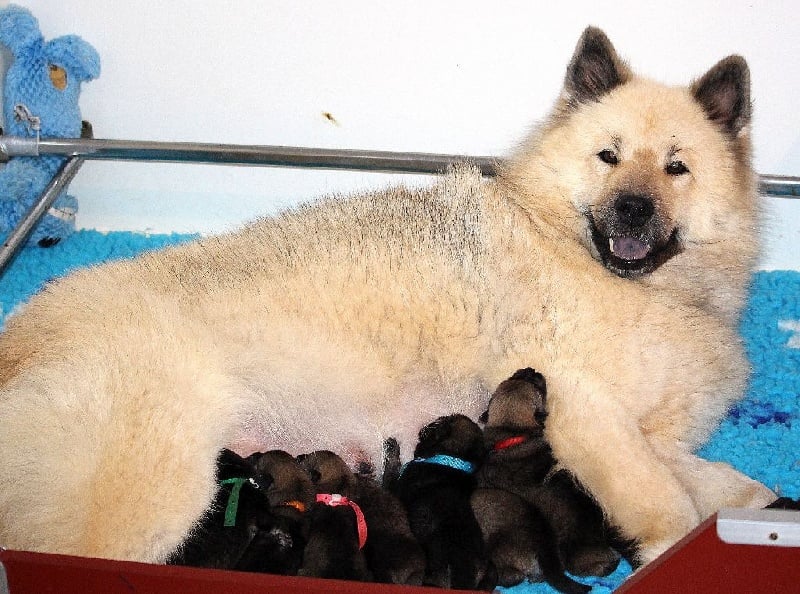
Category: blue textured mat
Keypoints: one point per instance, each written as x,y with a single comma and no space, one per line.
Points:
760,436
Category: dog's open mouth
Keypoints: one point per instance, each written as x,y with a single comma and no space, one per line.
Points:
629,256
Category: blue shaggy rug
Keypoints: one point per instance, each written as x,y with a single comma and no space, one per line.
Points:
760,436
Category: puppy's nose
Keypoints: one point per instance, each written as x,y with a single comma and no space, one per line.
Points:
634,209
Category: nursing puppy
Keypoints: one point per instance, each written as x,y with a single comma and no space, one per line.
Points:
392,553
435,487
279,544
334,550
339,529
240,510
613,249
535,518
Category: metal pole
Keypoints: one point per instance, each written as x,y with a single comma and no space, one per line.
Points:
783,186
231,154
284,156
57,184
79,149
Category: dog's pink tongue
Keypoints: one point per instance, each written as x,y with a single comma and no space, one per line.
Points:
628,248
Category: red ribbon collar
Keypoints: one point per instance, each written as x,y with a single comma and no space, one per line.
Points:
335,499
509,442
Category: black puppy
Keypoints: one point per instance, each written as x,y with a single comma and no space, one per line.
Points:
537,520
392,553
435,488
240,508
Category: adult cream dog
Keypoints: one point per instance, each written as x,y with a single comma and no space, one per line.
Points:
612,253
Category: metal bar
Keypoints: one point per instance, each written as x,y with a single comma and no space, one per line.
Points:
278,156
768,527
80,149
779,185
4,588
57,184
285,156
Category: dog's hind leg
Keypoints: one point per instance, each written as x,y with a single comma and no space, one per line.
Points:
713,485
94,466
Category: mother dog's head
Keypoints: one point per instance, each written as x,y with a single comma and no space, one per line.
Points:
645,177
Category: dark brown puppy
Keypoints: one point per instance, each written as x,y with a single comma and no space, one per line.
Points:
537,520
435,488
335,547
391,551
240,510
278,546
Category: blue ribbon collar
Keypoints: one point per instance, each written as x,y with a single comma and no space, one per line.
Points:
449,461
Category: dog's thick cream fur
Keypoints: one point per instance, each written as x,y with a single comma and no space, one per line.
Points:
344,322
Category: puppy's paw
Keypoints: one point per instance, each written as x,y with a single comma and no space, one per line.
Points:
785,503
593,560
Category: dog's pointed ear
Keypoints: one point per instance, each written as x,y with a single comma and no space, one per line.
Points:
724,93
595,68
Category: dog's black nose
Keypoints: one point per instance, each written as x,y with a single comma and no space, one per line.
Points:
633,209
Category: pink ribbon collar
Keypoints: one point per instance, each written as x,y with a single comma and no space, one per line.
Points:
335,499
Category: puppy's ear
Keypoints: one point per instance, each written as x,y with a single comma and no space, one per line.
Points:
594,70
724,93
435,432
541,385
231,464
255,457
314,474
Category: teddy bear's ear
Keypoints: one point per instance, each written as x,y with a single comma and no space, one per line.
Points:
75,56
18,28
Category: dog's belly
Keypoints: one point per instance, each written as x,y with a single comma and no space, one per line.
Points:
354,425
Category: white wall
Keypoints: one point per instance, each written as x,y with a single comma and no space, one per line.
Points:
450,77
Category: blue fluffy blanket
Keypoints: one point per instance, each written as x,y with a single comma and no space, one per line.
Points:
760,436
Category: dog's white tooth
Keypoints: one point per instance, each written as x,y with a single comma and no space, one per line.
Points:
611,244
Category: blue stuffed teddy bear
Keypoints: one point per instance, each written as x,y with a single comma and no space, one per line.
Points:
40,98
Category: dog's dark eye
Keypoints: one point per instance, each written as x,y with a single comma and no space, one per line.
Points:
677,168
608,156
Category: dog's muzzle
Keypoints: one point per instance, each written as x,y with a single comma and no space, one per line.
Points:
630,238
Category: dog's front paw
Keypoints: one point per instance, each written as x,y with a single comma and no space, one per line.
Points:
664,532
652,550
